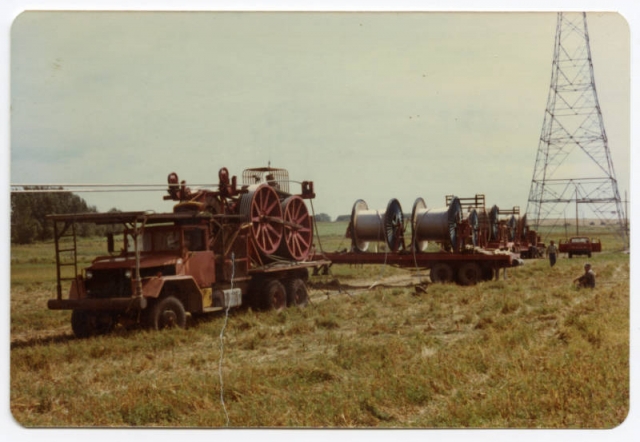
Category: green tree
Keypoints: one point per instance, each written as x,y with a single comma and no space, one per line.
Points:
24,228
323,217
29,211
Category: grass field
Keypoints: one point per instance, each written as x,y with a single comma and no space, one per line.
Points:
530,351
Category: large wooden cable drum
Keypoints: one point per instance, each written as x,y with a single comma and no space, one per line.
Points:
261,205
298,231
372,225
438,225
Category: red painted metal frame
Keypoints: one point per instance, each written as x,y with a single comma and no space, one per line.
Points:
298,230
421,260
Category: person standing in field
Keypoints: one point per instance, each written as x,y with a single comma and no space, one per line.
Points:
588,280
552,253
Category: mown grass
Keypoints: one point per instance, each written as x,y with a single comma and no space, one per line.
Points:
530,351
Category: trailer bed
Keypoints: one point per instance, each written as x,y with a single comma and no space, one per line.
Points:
421,260
463,268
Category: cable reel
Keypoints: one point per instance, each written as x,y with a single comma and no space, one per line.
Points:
373,225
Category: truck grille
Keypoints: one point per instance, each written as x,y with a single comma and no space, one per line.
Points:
109,283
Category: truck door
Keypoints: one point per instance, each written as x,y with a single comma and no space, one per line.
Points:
198,259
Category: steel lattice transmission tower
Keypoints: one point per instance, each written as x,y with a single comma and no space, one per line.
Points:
574,172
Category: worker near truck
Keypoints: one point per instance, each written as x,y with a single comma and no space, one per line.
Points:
552,253
588,279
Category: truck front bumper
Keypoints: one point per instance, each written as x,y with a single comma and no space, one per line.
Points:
137,303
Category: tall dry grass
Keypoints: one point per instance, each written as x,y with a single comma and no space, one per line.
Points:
530,351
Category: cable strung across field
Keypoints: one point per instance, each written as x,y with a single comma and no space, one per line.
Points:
224,326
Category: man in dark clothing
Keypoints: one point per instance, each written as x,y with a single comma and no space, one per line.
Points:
552,252
588,279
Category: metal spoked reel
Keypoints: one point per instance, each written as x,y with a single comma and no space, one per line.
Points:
261,206
419,207
493,223
512,225
298,231
440,225
394,226
454,216
474,223
358,244
372,225
484,228
522,231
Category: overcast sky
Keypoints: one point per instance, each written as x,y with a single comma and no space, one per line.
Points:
369,106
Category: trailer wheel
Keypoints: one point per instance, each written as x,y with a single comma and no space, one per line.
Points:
441,272
469,273
297,294
86,323
274,295
167,313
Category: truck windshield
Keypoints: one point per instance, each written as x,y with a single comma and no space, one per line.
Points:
155,241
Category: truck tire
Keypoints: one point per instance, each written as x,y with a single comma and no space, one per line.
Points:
297,294
487,273
274,295
469,273
87,323
441,272
167,312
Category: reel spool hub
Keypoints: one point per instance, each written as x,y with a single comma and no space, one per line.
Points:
298,231
261,206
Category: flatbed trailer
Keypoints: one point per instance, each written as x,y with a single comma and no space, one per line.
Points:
463,268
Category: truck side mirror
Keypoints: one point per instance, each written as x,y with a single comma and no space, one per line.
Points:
110,244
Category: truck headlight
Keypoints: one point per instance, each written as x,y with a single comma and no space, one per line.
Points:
127,274
88,274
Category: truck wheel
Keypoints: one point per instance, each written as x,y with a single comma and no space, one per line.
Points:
274,295
469,273
297,294
487,273
441,272
86,323
167,313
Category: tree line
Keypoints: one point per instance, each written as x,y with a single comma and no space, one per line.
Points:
29,211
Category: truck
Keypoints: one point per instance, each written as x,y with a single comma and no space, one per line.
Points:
579,245
248,245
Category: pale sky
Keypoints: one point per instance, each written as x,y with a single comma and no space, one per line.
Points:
369,106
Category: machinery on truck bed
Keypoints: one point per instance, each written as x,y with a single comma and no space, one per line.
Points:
459,258
248,244
238,245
